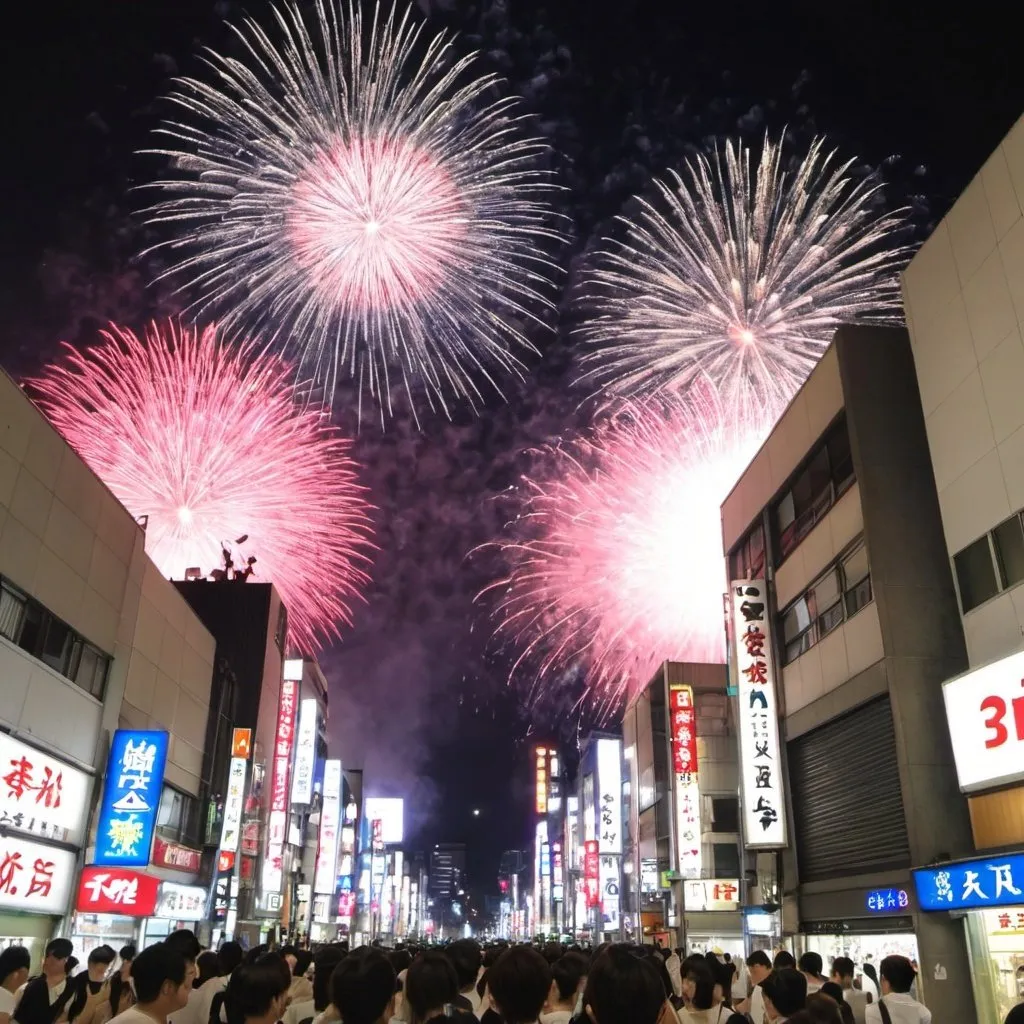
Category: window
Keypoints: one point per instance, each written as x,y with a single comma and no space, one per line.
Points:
975,574
38,632
1008,539
177,818
826,474
840,592
725,814
727,860
747,559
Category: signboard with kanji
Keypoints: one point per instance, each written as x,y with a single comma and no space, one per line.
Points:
34,878
762,791
131,798
592,872
233,802
712,894
609,789
284,744
180,902
41,794
683,732
117,891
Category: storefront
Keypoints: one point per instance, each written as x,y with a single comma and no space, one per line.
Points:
714,922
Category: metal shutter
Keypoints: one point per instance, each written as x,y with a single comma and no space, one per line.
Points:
847,803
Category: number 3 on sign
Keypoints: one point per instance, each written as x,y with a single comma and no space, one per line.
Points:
996,708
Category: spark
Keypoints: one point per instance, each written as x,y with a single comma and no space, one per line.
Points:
205,440
739,275
361,200
615,562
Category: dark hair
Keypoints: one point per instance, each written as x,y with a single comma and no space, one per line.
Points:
127,952
870,972
59,948
759,958
102,955
811,963
704,980
153,967
207,965
362,986
465,958
552,951
14,958
567,972
823,1009
787,989
783,959
1016,1015
623,989
830,988
303,958
185,942
229,956
326,959
843,967
288,950
899,972
520,981
70,964
430,984
254,987
255,953
401,960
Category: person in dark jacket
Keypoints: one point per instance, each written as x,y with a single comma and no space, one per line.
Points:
47,994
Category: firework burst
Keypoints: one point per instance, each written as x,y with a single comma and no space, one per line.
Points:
205,440
615,562
376,213
743,276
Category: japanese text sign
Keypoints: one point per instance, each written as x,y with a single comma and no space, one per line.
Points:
325,878
712,894
609,788
131,798
761,782
592,872
34,878
305,753
241,743
40,794
985,712
683,733
684,730
177,857
542,781
117,891
233,803
277,824
992,882
887,901
180,902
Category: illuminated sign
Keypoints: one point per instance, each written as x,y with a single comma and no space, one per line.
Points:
389,811
40,794
649,875
761,783
34,878
542,780
180,902
176,857
985,712
684,781
131,797
712,894
241,743
233,803
325,877
609,780
305,753
609,883
117,891
989,882
887,901
293,670
592,872
557,876
284,743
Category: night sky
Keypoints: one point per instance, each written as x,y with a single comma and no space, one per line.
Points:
622,90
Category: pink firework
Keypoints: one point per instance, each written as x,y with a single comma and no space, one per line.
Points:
616,563
206,442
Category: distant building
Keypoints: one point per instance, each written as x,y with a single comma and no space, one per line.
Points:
447,874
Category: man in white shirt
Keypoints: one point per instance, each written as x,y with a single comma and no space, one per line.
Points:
785,994
842,974
184,941
162,985
229,956
897,1006
14,964
759,966
810,967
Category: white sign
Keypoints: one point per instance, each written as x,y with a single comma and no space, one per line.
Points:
181,902
761,783
35,878
40,794
985,711
389,812
609,789
683,731
610,890
712,894
293,670
326,879
305,753
233,803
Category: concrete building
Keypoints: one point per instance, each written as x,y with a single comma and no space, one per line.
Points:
836,523
964,298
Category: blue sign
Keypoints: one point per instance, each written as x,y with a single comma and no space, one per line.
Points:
885,901
992,882
131,798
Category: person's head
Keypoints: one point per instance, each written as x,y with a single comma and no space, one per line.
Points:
699,985
567,974
622,989
258,992
1016,1015
56,956
184,941
759,966
465,958
783,959
326,959
303,960
811,964
99,962
897,974
842,971
834,990
70,964
126,954
229,956
785,992
207,966
14,964
823,1009
161,978
430,984
290,955
520,981
363,987
401,960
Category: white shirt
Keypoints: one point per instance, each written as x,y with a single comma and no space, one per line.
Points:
189,1013
133,1015
556,1017
902,1008
6,1001
207,991
857,1001
297,1012
757,1013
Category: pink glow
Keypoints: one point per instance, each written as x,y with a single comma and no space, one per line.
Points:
205,440
375,224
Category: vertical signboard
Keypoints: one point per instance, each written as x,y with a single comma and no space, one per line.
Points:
609,782
233,802
305,753
325,878
761,783
277,829
542,781
131,798
592,872
684,780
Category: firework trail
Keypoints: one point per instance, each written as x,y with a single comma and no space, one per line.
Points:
743,276
205,440
375,213
616,560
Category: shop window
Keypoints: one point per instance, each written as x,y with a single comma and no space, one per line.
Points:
12,607
975,574
1008,540
727,860
725,814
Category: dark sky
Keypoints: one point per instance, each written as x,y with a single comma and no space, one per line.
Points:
622,90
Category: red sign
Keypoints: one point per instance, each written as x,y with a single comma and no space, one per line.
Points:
684,731
241,743
346,903
175,857
225,862
117,891
592,872
283,745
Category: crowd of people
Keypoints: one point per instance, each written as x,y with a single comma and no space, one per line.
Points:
174,982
